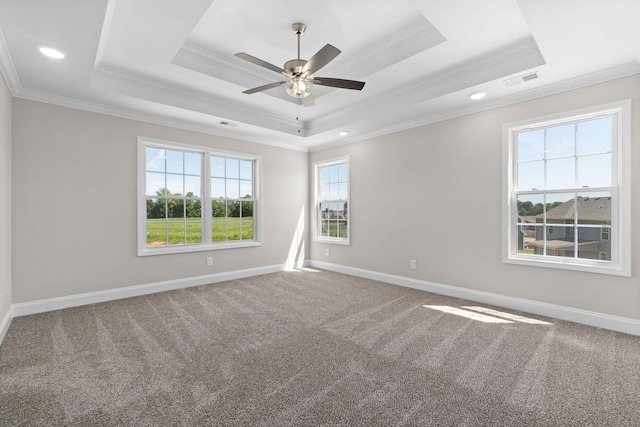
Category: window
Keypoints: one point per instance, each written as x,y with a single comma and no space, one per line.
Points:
195,198
331,212
567,185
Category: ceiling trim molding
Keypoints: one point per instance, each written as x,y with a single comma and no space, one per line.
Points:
129,83
7,68
402,41
499,63
233,70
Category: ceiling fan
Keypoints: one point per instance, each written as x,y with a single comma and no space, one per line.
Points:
299,73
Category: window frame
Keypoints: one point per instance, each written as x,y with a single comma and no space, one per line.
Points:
317,183
206,208
620,260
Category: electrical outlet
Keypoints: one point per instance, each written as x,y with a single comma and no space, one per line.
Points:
326,252
209,261
412,264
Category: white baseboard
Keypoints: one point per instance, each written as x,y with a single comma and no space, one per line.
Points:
41,306
591,318
4,324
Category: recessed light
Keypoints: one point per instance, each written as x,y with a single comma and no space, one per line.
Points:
343,133
477,95
51,52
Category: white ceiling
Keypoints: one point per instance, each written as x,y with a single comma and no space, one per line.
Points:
172,62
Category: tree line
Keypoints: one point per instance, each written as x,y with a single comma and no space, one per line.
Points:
167,207
529,209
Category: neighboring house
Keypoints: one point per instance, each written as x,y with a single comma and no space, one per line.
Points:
593,229
526,231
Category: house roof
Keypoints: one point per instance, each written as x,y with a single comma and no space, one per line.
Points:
589,209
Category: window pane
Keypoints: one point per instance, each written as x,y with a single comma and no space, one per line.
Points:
233,168
217,167
155,159
219,230
334,191
594,136
589,246
531,145
218,209
246,189
343,191
561,141
246,169
247,209
247,229
343,173
531,175
175,161
561,173
233,229
593,209
326,175
326,192
155,183
324,228
175,209
192,185
594,171
192,163
194,232
174,183
175,233
233,188
334,172
217,188
156,232
193,208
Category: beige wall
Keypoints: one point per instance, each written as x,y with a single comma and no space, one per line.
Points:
434,194
5,204
74,204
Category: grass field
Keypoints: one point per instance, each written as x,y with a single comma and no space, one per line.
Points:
174,231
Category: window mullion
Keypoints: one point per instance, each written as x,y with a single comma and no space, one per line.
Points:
206,198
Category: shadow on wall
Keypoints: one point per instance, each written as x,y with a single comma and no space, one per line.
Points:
295,259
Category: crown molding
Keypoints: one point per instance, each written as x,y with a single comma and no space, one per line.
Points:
158,119
418,119
133,84
7,68
505,61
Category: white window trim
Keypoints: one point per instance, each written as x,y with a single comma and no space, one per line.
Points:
620,233
316,200
144,250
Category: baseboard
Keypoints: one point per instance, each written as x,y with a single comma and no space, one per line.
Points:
41,306
615,323
4,324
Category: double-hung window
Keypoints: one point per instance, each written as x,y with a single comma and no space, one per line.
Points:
331,212
194,198
566,195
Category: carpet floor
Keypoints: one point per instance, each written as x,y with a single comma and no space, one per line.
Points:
312,348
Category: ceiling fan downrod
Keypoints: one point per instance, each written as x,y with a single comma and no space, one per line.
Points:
298,28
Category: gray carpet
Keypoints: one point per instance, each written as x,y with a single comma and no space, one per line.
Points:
306,349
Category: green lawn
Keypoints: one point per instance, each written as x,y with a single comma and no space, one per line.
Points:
174,231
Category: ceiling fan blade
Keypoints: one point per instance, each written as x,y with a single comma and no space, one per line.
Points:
259,62
320,59
340,83
307,101
261,88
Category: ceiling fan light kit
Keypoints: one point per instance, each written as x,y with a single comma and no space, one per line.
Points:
300,73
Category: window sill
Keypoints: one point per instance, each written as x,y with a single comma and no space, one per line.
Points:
599,267
332,241
179,249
